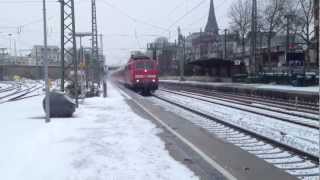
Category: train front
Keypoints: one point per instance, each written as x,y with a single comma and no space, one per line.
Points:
146,75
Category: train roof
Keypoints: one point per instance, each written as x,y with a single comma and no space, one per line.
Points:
139,57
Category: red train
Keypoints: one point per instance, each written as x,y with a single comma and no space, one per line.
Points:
140,73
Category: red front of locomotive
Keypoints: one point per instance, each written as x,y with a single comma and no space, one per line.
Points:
142,75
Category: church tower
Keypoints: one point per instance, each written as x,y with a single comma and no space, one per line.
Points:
212,25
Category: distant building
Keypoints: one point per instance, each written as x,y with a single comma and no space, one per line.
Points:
164,52
53,53
210,51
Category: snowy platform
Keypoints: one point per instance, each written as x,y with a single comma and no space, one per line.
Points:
105,140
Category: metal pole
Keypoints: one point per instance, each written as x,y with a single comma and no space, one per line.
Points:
62,44
183,59
75,59
95,53
182,56
252,62
37,63
225,44
105,72
317,24
10,44
287,39
47,99
80,62
82,58
15,49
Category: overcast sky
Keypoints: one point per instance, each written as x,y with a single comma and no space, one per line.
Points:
126,24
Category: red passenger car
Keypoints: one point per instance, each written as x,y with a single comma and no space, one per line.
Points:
141,74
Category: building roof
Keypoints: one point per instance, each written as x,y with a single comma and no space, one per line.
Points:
212,25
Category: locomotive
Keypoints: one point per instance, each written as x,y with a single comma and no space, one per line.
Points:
140,74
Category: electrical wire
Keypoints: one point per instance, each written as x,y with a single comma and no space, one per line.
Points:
175,8
137,38
134,19
25,2
187,13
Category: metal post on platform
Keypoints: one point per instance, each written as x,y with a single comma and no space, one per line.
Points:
287,49
75,59
47,98
225,44
105,69
181,45
183,58
252,61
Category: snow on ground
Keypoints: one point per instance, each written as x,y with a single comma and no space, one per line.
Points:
264,111
313,89
4,85
105,140
287,87
295,135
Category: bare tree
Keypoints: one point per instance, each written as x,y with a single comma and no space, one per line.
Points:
305,19
240,14
272,17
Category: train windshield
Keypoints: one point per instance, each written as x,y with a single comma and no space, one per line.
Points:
144,65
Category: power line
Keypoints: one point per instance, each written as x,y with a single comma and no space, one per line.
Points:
134,19
176,7
35,22
25,2
29,2
187,13
131,35
137,38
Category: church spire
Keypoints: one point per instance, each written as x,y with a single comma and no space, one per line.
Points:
212,25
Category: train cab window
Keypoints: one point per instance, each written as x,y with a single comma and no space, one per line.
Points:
144,65
140,65
148,65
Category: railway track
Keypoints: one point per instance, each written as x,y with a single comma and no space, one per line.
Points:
18,91
303,107
10,87
304,119
294,161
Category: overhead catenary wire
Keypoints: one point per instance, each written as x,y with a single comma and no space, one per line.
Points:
206,14
137,38
176,7
187,13
134,19
28,2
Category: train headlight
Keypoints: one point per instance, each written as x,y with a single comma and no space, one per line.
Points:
137,80
153,80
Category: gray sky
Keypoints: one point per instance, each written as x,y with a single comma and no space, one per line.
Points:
126,24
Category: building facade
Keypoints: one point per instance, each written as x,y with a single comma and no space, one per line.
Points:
53,52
